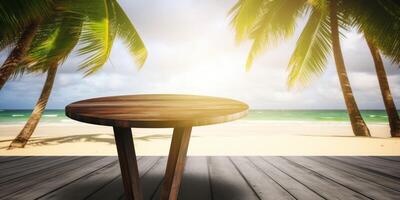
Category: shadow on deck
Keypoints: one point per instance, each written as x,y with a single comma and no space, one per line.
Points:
95,177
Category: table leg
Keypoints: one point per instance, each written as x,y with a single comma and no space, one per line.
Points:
128,163
176,163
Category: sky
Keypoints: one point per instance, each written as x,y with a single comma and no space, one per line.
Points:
192,50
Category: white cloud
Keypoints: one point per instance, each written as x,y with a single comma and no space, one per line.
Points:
192,50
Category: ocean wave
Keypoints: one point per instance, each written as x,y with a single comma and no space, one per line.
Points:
372,115
17,115
284,122
66,120
50,115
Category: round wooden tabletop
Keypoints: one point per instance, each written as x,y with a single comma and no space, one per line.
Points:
156,110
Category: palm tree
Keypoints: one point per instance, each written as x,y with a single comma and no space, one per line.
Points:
53,44
357,122
266,22
89,25
17,54
394,121
379,21
19,21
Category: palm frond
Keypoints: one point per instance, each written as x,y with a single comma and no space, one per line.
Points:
127,32
98,33
312,49
277,22
54,42
22,12
244,14
374,20
8,37
392,7
58,45
16,15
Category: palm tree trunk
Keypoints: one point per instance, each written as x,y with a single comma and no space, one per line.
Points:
23,137
357,122
390,107
18,53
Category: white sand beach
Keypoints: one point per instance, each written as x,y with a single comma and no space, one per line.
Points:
235,138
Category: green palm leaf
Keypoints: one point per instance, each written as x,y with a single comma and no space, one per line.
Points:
93,25
312,49
58,45
22,12
392,7
15,15
127,32
54,42
277,22
245,14
374,20
98,33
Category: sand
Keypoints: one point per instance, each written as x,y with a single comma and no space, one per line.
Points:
234,138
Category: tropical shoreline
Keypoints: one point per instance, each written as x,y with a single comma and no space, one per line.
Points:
275,116
243,137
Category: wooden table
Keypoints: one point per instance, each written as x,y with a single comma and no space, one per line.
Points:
180,112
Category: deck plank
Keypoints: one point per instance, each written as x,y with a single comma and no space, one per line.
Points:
320,184
84,186
263,185
31,168
368,188
195,183
60,178
371,166
227,182
297,189
20,185
114,189
20,182
8,159
216,178
365,174
394,165
392,158
151,181
21,162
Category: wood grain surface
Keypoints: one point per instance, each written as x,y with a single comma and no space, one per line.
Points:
205,178
156,110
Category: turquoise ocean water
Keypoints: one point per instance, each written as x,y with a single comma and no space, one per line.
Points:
371,116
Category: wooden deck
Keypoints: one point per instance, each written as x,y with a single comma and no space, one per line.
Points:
205,178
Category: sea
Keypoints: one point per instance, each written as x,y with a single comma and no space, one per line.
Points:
370,116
